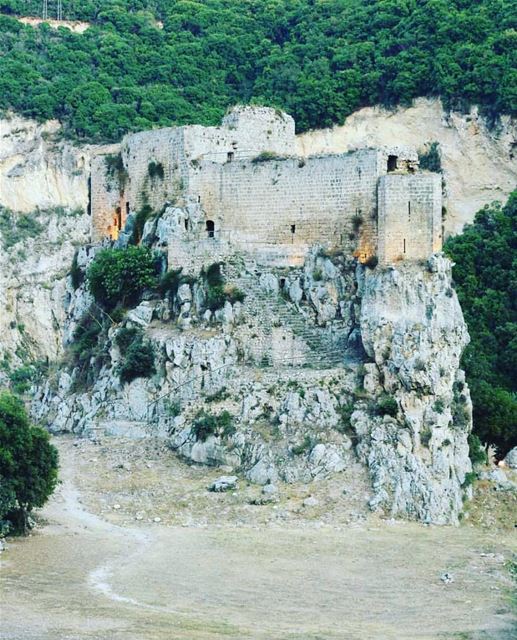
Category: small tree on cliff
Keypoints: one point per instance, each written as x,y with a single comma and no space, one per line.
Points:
28,464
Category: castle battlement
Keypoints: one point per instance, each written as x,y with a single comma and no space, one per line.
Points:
249,191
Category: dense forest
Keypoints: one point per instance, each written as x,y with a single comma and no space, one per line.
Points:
160,62
485,277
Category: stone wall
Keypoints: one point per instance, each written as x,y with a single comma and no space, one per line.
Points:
287,201
410,215
106,199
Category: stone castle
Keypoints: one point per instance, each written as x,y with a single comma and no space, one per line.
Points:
241,186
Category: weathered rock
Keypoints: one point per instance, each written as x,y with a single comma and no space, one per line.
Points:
413,330
511,459
224,483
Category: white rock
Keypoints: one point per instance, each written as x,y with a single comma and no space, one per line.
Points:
223,483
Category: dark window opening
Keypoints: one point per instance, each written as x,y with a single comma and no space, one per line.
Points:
186,225
409,211
199,199
293,228
127,208
89,208
282,283
119,219
230,155
392,163
210,228
404,245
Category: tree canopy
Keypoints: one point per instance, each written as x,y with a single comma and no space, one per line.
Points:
485,277
147,63
28,463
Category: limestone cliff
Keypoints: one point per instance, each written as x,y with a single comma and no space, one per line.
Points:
394,399
479,162
414,437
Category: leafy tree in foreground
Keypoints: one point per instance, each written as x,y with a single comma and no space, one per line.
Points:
485,277
28,464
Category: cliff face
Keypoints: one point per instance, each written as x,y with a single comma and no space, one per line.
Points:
37,171
43,218
416,447
479,163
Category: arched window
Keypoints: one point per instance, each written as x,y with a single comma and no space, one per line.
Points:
210,228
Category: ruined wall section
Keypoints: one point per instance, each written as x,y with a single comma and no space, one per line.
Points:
330,200
105,198
410,217
157,168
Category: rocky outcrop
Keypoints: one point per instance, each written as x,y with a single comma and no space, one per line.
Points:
413,423
479,161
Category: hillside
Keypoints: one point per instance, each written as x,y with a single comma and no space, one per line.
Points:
318,60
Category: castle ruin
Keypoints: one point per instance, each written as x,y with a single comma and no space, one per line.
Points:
243,188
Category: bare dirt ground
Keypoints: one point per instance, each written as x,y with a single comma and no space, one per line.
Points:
132,546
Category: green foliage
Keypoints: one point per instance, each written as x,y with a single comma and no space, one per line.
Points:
470,478
387,405
477,452
265,156
213,275
217,292
86,354
206,424
120,276
320,61
138,355
22,378
345,411
439,405
485,278
431,159
304,446
15,228
28,463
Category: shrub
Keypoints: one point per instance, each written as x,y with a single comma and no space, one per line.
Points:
439,405
431,159
304,446
126,336
345,411
22,378
170,282
206,424
16,228
213,275
425,436
120,276
28,464
266,156
138,358
387,405
233,294
477,453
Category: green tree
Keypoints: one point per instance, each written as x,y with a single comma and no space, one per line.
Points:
485,278
120,276
28,464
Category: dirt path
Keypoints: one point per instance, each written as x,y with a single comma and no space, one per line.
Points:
91,576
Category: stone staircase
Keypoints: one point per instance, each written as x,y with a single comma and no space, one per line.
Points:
269,309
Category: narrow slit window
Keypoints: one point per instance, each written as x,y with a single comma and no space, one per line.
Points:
404,245
230,156
293,228
409,211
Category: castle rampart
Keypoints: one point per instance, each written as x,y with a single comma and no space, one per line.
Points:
253,193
